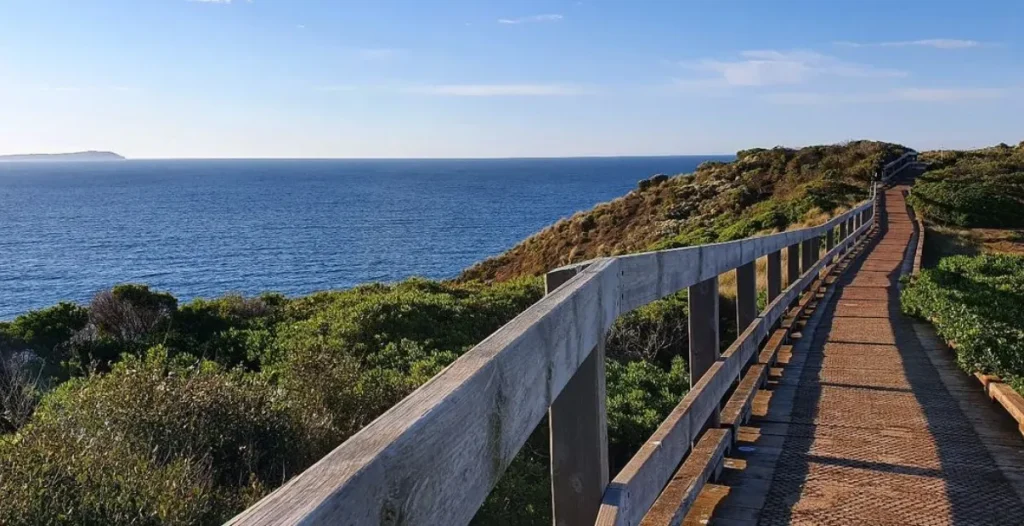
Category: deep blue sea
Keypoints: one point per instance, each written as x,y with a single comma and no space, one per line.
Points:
201,228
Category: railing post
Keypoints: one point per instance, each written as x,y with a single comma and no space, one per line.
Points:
746,295
830,242
807,250
792,263
843,233
579,434
703,325
774,275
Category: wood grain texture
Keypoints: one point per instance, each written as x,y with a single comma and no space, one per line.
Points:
434,456
774,274
578,424
703,331
650,276
792,263
701,466
578,427
746,295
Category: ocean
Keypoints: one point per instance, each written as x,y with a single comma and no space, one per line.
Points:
202,228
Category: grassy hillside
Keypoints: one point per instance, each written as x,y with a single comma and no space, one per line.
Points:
763,190
973,189
973,288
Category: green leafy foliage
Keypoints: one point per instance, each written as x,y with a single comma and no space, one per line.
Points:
154,441
242,394
974,189
975,304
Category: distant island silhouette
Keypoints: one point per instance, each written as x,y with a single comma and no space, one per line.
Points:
62,157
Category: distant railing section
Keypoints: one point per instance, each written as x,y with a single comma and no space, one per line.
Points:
890,170
435,456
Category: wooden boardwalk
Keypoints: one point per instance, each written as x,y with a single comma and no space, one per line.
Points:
867,420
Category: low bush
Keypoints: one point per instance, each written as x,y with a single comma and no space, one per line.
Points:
975,304
155,441
973,189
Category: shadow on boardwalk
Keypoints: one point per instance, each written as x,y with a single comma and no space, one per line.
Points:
873,434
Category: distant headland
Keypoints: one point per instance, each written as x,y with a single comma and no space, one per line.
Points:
62,157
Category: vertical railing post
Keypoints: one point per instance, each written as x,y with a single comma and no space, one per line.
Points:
774,271
792,263
830,242
843,234
703,325
807,251
746,295
579,434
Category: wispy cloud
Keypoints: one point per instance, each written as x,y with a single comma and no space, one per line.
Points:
770,67
502,90
531,19
895,95
937,43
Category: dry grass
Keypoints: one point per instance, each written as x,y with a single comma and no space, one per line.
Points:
941,241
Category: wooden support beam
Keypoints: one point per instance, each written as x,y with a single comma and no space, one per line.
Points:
746,295
792,264
703,325
578,423
806,252
774,271
703,464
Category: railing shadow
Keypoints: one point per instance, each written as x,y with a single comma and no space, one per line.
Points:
975,489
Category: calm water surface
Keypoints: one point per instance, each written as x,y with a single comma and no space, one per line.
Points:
205,227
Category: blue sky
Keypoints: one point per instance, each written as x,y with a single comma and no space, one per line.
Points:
303,78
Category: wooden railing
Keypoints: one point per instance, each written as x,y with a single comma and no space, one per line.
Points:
890,170
434,457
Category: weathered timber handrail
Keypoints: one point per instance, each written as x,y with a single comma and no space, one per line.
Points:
632,492
434,457
896,166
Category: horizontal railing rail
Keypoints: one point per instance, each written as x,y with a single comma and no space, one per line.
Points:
435,456
896,166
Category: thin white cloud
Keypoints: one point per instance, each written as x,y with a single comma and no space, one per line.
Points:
895,95
502,90
770,67
937,43
531,19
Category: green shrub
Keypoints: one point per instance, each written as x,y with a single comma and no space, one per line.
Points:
975,304
640,396
993,202
973,189
46,332
153,442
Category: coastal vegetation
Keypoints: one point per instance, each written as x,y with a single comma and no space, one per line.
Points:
972,189
140,409
973,292
975,303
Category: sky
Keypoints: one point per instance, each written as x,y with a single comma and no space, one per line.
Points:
529,78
